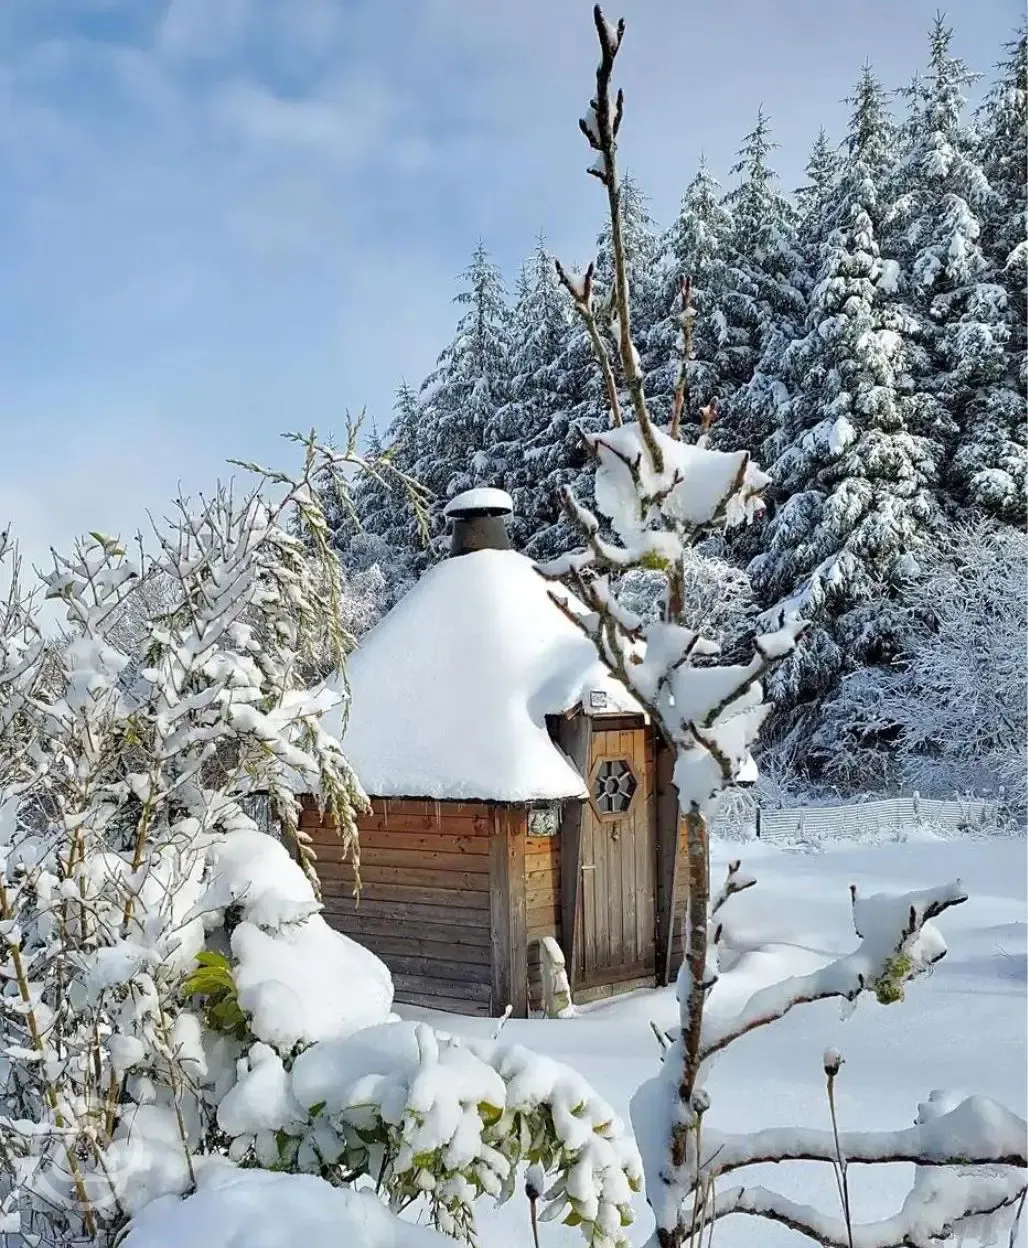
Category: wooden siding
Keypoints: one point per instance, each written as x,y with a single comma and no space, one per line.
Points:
425,906
542,905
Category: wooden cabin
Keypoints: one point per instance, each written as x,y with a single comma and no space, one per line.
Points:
517,792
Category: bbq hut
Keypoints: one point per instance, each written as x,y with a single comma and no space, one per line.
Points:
517,792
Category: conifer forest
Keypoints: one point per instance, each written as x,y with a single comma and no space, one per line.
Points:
864,337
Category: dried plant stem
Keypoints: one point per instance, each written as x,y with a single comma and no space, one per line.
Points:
604,139
839,1165
534,1217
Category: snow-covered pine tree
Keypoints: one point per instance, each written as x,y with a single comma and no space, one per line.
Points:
943,197
855,475
557,455
990,461
459,397
695,246
763,305
814,201
378,536
518,430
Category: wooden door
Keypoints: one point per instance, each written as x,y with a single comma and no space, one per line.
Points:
614,937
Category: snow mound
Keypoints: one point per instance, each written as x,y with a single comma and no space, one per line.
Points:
260,1209
307,982
450,692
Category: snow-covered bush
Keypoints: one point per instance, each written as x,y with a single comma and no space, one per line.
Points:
659,496
436,1120
128,758
958,697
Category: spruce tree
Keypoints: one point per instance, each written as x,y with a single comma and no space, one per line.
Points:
557,453
696,246
962,310
989,462
381,530
459,398
815,200
854,474
763,305
518,429
641,239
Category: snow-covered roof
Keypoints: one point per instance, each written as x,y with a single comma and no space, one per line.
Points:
484,499
451,689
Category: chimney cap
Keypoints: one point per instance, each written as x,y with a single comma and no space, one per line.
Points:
481,502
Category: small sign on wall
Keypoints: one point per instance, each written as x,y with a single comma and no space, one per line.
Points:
544,821
597,700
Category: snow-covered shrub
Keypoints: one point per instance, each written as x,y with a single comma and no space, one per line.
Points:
438,1121
128,758
658,497
958,697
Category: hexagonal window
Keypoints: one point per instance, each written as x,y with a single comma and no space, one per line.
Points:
614,786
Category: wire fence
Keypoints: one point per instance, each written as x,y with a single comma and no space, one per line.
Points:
890,819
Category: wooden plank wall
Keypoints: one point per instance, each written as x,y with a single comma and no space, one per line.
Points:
425,898
542,905
508,910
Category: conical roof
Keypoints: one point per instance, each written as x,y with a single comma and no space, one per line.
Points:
450,691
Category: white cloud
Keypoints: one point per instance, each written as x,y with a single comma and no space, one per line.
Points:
201,28
257,115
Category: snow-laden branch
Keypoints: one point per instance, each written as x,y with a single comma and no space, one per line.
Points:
947,1207
898,942
977,1131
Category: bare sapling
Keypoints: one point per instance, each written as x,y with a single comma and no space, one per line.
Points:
656,497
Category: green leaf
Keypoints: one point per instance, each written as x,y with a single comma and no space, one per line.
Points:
490,1114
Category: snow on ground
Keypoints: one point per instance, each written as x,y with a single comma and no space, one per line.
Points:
962,1029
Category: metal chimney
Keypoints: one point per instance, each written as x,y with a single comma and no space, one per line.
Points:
479,521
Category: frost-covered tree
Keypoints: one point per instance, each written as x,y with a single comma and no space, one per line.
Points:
717,597
990,461
942,203
697,247
855,477
523,429
763,304
953,706
126,783
658,494
460,397
814,200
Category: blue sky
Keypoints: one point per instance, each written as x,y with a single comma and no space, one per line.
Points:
223,219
